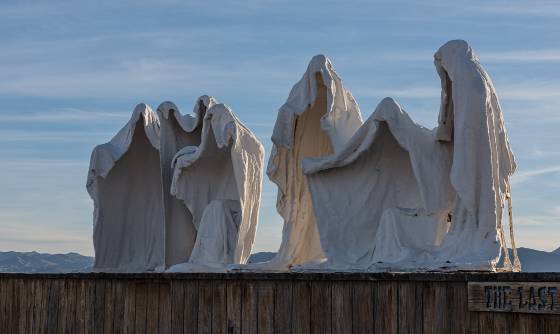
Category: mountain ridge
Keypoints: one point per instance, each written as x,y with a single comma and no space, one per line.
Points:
532,260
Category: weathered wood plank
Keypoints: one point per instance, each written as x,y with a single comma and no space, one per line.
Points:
190,315
265,306
90,306
43,309
177,307
164,308
205,307
486,323
249,307
80,306
442,303
30,325
14,304
341,311
429,307
386,297
462,321
321,311
500,321
409,308
141,304
551,324
72,307
283,307
362,307
119,295
219,308
152,307
108,307
3,302
234,292
21,293
99,305
301,308
53,305
129,308
63,304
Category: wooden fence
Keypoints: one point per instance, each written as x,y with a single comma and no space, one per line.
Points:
258,303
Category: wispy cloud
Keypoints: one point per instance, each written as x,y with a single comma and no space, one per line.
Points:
521,56
53,136
504,8
524,176
63,116
41,163
409,92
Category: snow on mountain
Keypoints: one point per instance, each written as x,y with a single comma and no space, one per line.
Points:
261,257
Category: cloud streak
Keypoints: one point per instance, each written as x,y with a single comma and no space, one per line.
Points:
63,116
525,176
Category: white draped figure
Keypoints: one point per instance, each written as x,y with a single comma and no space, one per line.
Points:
124,181
318,118
178,131
220,181
401,196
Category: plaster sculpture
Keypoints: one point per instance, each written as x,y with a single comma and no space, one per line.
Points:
400,196
220,182
124,181
317,119
178,131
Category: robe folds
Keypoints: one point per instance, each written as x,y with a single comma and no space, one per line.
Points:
317,119
176,189
220,182
401,196
124,182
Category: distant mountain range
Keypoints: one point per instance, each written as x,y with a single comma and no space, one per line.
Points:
538,261
32,262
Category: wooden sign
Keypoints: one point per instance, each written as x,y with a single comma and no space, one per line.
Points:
525,297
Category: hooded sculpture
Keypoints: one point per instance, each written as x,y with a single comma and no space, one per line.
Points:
403,196
319,116
178,131
482,158
220,182
124,183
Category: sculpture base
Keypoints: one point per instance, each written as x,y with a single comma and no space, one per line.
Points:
457,302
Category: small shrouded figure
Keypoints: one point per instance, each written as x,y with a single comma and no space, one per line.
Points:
124,181
401,196
220,182
317,119
186,190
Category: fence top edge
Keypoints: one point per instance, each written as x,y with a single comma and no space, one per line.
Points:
315,276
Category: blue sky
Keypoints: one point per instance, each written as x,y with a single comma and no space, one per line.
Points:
71,73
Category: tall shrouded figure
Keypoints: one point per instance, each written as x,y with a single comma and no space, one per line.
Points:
319,116
483,161
177,132
124,181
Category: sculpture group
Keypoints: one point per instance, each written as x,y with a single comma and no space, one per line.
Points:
182,193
